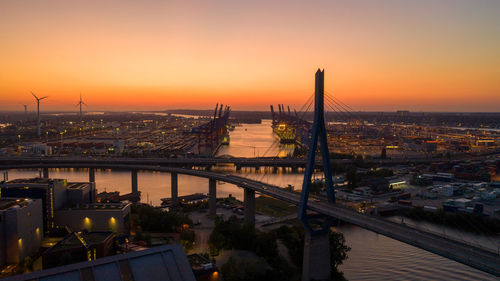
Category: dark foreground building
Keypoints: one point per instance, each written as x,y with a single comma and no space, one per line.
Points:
160,263
78,247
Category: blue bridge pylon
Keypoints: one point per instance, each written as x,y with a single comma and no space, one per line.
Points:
311,223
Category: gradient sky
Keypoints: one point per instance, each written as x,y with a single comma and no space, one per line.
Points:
427,55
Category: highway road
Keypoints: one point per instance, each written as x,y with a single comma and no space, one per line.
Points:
205,162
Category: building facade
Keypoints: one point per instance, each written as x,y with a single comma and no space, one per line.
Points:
21,229
96,217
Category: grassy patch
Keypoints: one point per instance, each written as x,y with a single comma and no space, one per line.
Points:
273,207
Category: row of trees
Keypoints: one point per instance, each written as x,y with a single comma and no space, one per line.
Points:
152,219
233,234
149,219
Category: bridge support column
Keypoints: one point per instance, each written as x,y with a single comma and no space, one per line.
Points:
295,169
135,189
174,189
45,173
212,197
238,168
249,204
316,263
91,175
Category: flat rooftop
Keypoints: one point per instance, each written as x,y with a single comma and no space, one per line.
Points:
6,203
77,185
72,241
100,206
31,180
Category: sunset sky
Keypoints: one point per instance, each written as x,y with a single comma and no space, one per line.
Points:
435,55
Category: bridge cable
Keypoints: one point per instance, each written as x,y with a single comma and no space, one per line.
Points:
343,109
343,106
308,101
306,110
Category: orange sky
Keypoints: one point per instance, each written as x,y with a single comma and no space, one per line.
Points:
435,55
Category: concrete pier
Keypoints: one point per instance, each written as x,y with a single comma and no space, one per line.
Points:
45,173
135,189
174,189
316,263
249,204
91,175
212,197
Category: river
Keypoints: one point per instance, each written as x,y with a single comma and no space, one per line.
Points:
372,256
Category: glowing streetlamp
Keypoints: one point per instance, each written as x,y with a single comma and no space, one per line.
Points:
61,133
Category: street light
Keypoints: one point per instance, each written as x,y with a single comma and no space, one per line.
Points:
61,133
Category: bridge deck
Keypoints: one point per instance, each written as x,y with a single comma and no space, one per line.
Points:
239,161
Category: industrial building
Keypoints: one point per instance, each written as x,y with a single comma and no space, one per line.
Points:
96,217
160,263
78,247
31,207
80,193
51,192
21,229
55,194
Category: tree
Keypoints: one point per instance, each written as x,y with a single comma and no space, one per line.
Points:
266,246
214,251
245,269
187,239
293,238
338,248
155,220
232,234
316,186
351,177
359,161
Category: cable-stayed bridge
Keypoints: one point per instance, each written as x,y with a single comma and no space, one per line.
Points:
459,251
463,252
